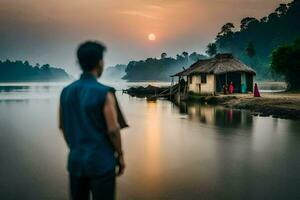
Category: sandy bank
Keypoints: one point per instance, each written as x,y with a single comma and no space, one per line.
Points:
279,105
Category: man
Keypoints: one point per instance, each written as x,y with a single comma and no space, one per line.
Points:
89,120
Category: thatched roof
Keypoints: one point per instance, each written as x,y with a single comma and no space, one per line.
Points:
220,64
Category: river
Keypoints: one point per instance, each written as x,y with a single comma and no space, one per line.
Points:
185,152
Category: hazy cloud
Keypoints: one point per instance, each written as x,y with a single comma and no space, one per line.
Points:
138,14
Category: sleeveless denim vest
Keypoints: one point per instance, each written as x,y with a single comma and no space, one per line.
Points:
91,153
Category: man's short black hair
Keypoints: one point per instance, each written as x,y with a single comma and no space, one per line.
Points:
89,54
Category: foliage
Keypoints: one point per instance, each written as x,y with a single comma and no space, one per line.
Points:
159,69
163,55
19,71
280,27
211,49
226,30
250,50
114,73
246,22
285,61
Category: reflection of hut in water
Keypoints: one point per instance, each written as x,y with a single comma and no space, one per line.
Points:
207,114
218,116
210,75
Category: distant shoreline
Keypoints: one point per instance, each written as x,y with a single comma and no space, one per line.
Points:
23,71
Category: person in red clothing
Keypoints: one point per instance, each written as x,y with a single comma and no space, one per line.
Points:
231,88
256,91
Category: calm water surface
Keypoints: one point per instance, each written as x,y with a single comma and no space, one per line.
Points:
186,152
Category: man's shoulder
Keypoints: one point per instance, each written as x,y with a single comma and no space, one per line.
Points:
106,87
95,86
70,85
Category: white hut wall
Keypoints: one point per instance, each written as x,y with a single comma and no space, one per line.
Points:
194,81
209,86
204,87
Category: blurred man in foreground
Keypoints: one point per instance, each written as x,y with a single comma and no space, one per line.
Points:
90,122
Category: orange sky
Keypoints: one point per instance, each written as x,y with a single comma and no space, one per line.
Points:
48,31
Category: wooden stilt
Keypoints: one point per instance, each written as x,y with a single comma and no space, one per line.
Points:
179,87
172,83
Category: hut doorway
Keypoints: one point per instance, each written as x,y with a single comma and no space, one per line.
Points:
223,79
249,82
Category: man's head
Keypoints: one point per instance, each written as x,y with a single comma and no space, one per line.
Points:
90,57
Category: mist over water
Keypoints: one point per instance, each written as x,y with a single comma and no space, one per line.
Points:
185,152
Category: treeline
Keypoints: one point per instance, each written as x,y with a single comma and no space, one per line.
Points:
18,71
114,73
255,39
159,69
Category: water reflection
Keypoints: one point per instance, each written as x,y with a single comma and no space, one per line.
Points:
152,136
13,88
28,91
186,152
217,115
26,88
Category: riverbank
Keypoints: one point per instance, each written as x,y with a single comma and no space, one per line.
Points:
276,104
279,105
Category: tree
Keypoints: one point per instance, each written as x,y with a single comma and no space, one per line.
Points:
246,22
163,55
26,63
250,50
264,19
226,30
45,67
211,49
273,16
179,57
285,61
282,9
185,54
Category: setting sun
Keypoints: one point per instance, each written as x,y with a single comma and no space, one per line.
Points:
151,37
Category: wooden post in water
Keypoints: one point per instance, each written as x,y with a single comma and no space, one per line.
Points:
184,90
179,93
172,83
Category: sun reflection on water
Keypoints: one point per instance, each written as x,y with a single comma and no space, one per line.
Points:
153,134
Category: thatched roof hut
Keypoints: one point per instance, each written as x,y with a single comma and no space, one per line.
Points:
220,64
211,75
